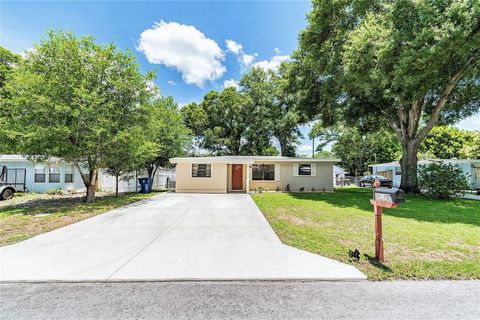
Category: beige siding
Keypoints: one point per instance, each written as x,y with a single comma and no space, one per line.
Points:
220,182
322,180
216,184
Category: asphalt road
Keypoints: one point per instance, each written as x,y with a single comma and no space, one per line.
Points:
242,300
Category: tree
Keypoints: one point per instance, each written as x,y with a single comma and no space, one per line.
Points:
357,150
165,127
471,148
128,153
8,63
444,142
224,123
405,65
324,135
70,98
274,109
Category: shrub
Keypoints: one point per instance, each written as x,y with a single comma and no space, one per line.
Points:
54,191
441,180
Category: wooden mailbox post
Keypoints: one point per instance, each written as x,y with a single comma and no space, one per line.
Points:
383,198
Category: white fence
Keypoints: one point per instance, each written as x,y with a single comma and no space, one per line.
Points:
163,179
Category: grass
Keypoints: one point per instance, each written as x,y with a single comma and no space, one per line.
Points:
424,238
32,214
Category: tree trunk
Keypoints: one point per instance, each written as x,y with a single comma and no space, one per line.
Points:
408,164
116,185
91,186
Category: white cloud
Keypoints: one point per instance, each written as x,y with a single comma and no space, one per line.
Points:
272,64
243,58
471,123
277,50
231,83
172,83
184,48
234,47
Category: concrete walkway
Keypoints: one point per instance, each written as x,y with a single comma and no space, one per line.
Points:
168,237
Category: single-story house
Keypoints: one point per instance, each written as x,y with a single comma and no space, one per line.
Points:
55,173
392,170
247,173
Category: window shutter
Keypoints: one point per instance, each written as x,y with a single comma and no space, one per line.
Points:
277,172
314,169
295,169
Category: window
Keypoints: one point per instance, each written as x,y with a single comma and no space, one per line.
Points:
53,173
398,171
263,172
304,169
69,173
201,170
40,173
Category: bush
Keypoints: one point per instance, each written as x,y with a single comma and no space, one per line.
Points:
54,191
441,180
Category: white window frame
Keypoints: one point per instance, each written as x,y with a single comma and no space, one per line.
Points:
67,172
197,163
276,172
57,172
43,167
313,169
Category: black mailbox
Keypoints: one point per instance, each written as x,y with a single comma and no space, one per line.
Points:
389,195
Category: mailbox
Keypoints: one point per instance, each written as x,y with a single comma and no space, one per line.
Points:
389,195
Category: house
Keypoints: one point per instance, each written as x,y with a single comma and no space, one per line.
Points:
248,173
27,175
392,170
55,173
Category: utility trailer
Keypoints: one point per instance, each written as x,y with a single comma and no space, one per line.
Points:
11,181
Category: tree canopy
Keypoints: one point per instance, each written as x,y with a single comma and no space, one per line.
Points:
445,142
70,98
248,121
163,125
405,65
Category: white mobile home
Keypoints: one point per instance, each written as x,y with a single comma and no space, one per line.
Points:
392,170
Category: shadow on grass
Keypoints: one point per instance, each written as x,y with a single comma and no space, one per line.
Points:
70,203
416,207
377,264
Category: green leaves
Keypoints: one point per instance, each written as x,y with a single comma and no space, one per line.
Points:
441,180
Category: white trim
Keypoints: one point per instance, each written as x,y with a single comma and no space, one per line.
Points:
274,172
199,178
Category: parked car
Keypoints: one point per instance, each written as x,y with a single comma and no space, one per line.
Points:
6,191
368,181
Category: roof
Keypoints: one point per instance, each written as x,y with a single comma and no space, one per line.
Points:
248,159
396,163
20,158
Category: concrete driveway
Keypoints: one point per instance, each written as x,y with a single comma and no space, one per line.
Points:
169,237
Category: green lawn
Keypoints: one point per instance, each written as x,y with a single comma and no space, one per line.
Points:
424,239
33,214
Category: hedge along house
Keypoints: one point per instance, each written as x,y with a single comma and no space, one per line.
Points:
392,170
248,173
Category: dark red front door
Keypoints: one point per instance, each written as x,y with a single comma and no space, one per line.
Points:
237,177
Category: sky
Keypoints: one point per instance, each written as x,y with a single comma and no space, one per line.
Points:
193,46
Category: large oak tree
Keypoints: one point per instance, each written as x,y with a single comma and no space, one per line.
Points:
404,65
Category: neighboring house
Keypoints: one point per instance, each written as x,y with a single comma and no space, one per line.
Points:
392,171
27,175
247,173
55,173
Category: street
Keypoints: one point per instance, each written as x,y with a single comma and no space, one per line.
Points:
242,300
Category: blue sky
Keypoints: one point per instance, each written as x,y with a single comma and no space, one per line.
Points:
184,42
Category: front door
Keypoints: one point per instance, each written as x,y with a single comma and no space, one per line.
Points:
237,177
